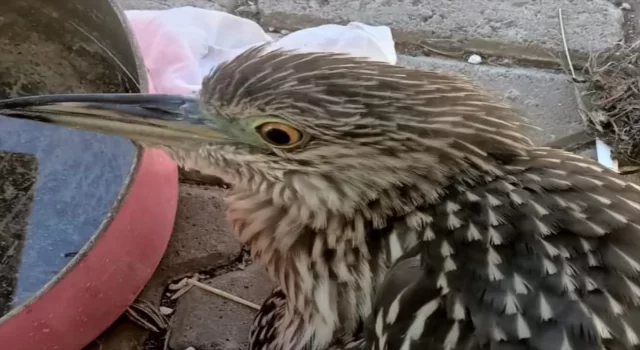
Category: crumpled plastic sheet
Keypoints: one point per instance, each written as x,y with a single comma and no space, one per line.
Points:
180,46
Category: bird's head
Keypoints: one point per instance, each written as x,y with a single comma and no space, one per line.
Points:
336,131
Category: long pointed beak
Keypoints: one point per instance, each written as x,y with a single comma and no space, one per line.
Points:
148,118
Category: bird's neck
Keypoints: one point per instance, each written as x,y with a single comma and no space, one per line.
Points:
326,263
327,242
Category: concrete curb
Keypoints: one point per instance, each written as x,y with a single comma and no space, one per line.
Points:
525,30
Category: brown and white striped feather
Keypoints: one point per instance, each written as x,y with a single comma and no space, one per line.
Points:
546,257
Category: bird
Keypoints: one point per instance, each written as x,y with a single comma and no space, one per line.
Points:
394,208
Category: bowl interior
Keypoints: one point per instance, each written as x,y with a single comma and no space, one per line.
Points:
64,46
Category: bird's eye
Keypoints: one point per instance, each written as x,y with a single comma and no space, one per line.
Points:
279,134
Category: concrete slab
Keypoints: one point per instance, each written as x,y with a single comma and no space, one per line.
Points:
122,335
520,28
201,240
545,97
208,322
201,236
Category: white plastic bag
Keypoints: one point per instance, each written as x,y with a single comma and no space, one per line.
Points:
355,38
181,46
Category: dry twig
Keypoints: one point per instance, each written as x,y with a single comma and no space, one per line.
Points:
223,294
608,96
147,315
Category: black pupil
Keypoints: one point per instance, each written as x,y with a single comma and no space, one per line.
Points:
278,137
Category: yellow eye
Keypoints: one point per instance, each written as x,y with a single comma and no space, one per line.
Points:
279,135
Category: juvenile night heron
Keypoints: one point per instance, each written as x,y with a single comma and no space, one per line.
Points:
395,208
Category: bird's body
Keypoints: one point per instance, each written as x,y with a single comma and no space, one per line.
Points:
400,209
542,257
526,260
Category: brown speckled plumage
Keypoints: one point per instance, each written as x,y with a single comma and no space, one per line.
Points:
414,214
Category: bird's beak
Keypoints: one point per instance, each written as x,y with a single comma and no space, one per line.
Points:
148,118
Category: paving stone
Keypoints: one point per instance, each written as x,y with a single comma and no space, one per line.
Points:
201,237
527,28
201,240
208,322
545,97
122,335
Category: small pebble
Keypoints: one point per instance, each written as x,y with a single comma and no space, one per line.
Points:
625,6
512,94
271,29
475,59
285,32
190,348
165,310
